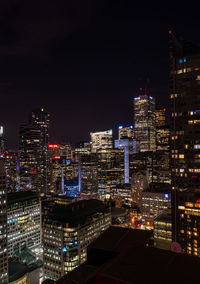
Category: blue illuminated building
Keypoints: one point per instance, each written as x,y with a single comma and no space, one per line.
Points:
124,144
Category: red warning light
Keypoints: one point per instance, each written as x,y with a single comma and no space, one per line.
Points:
57,157
53,146
170,32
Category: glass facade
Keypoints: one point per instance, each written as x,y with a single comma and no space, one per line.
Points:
66,239
144,119
3,227
24,222
185,143
101,140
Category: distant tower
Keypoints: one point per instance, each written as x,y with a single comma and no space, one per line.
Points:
101,140
3,227
160,117
162,130
125,132
41,119
1,141
144,119
30,150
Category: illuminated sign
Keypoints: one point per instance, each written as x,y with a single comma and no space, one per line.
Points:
53,146
57,157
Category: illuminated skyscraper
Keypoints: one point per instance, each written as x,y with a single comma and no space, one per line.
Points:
30,149
68,230
144,118
12,171
110,169
185,139
3,227
1,141
160,117
101,140
41,119
125,132
24,221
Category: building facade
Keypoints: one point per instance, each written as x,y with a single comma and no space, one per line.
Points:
30,157
41,119
68,230
144,119
125,132
24,221
3,226
101,140
110,170
185,142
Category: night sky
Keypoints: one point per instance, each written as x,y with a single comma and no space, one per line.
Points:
84,61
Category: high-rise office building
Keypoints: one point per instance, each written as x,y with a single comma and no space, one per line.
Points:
30,152
12,171
185,143
144,119
41,119
110,170
125,132
68,230
24,221
160,117
3,226
89,172
162,130
1,141
101,140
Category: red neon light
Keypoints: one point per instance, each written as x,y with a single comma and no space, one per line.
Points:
164,109
57,157
198,201
53,146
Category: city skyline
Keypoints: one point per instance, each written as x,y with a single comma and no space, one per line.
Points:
92,68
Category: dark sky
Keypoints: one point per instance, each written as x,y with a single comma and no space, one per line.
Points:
84,60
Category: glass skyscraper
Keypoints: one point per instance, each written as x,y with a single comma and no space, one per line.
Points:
144,119
185,143
3,227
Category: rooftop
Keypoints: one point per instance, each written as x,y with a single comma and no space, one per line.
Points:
21,196
126,259
77,212
16,270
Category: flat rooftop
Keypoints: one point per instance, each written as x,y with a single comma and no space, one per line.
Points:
77,212
21,196
134,263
